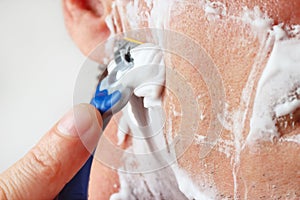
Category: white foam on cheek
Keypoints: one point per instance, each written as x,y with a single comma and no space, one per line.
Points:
259,22
159,14
214,10
128,15
114,19
157,185
156,15
286,108
279,77
186,184
293,139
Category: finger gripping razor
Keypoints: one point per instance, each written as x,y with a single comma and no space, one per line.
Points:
110,97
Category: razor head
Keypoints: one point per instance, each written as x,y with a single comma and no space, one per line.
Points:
123,62
122,49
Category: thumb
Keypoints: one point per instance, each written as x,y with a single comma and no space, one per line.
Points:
46,168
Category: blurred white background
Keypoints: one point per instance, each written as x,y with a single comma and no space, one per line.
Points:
38,67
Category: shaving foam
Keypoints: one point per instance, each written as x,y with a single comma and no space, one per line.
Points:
280,76
214,10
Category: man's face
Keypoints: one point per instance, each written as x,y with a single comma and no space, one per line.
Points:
257,155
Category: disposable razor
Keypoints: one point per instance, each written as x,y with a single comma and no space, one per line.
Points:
109,98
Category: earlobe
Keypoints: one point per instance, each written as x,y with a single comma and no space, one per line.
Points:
85,21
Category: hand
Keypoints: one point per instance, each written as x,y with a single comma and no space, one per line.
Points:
45,169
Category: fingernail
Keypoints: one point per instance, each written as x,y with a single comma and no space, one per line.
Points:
77,121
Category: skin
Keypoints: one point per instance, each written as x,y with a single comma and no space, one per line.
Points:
264,170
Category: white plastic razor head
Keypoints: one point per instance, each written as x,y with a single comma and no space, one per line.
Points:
123,62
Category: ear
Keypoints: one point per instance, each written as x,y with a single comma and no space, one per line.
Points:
85,21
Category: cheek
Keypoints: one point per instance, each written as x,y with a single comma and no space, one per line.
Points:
269,168
279,10
235,50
